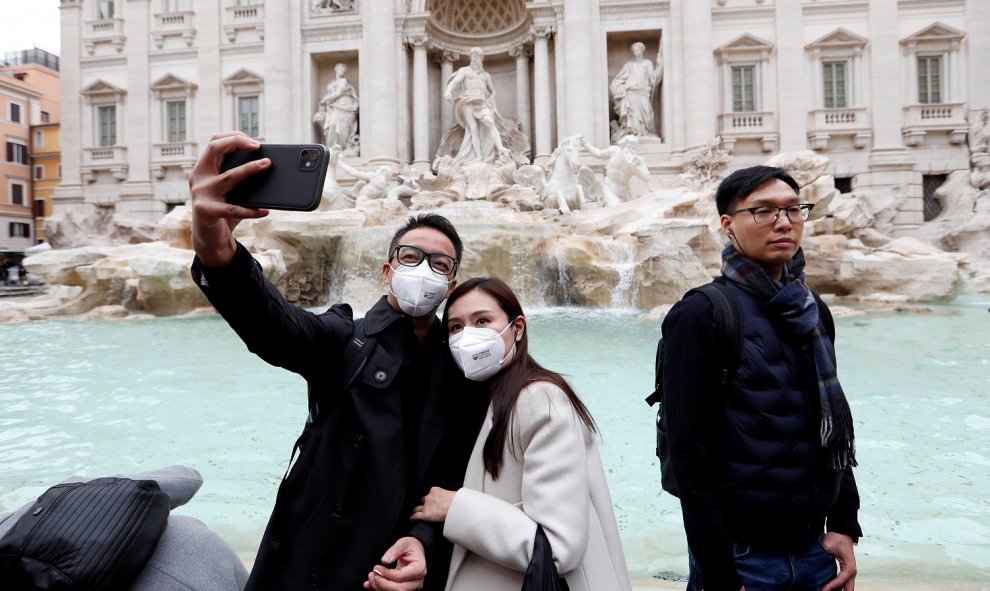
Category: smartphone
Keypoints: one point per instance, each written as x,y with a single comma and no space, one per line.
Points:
293,182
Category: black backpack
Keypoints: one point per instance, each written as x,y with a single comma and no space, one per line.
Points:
91,536
728,324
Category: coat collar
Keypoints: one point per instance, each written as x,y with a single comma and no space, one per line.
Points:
382,315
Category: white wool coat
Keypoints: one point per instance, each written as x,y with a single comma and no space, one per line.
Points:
551,475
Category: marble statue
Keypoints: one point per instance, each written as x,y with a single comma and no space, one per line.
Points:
624,164
632,93
979,150
372,185
338,113
332,6
566,185
481,133
334,197
979,133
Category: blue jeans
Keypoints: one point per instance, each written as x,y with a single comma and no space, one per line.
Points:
806,568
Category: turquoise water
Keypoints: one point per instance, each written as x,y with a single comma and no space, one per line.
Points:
100,398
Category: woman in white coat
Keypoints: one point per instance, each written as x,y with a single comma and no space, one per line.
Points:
535,461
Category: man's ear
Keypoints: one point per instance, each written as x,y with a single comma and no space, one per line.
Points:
385,270
726,222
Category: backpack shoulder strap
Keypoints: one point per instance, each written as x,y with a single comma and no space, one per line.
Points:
728,324
825,315
727,318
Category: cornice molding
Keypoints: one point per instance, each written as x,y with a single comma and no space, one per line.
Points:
637,9
332,32
833,8
754,12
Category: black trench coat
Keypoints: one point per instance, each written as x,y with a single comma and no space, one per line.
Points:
372,453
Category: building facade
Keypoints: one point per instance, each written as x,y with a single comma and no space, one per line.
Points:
18,102
884,88
37,71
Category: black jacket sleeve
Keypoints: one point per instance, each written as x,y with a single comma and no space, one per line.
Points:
282,334
693,417
843,516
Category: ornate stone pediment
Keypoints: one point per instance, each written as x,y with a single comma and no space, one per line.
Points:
173,84
102,90
937,33
242,77
745,46
838,39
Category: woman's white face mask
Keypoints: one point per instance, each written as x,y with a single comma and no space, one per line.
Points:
419,290
479,352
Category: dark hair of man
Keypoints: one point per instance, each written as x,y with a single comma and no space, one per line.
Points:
738,185
429,220
506,385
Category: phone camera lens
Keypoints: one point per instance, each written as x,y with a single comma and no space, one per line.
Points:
313,155
304,154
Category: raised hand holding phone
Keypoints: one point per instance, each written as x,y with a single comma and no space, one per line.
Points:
293,182
213,219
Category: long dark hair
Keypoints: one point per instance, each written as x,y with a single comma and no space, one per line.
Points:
506,385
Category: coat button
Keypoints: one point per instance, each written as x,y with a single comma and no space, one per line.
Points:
380,376
314,580
37,511
338,511
358,440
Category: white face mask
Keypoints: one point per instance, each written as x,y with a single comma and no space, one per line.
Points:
479,352
419,290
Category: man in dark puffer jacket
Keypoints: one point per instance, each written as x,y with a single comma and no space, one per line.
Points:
764,467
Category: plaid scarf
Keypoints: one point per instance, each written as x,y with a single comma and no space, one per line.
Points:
792,302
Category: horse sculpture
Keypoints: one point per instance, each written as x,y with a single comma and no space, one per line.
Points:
569,186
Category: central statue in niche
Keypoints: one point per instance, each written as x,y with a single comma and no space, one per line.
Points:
481,134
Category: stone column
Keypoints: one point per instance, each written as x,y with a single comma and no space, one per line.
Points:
213,101
579,111
541,92
71,108
136,131
885,88
522,54
890,162
379,105
421,105
280,103
446,60
700,107
978,53
791,105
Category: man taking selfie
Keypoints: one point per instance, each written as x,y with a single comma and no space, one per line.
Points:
382,391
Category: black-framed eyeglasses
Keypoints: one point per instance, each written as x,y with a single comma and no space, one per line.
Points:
412,256
769,214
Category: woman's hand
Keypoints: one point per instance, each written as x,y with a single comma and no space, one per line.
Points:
435,505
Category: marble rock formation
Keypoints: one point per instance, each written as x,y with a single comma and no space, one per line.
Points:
641,253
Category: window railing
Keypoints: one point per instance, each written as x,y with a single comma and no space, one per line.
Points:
239,18
112,159
747,123
833,120
105,155
173,24
938,115
107,30
943,117
174,151
107,27
174,20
